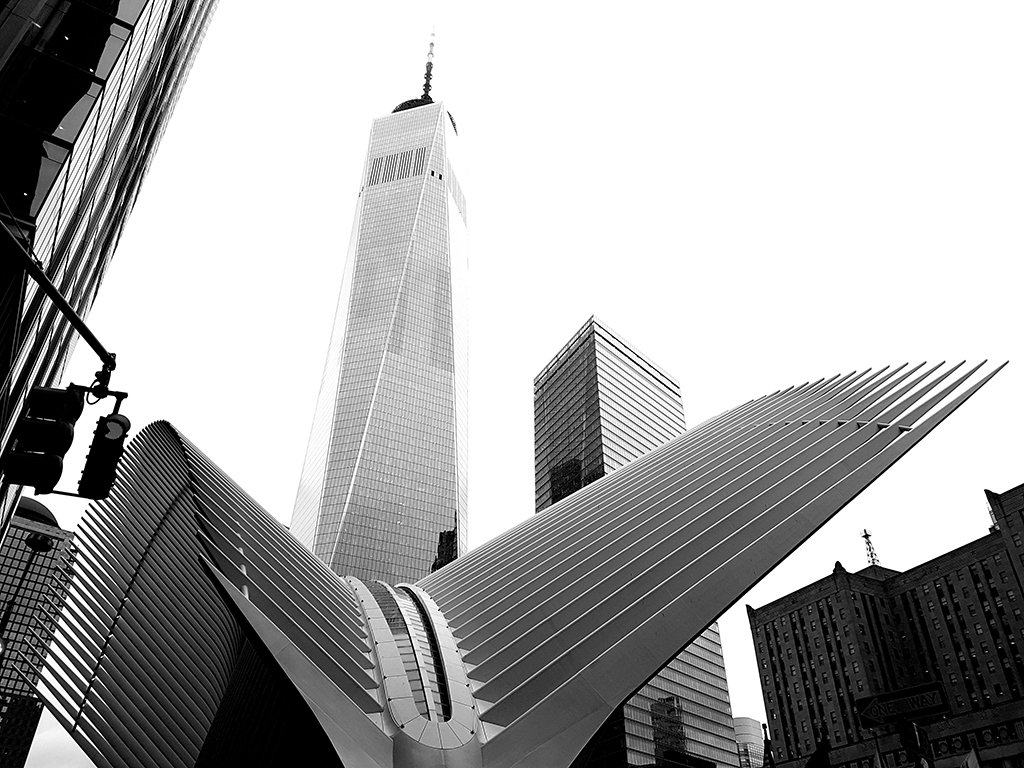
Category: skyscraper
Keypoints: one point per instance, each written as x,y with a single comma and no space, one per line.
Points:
35,570
385,469
86,89
598,405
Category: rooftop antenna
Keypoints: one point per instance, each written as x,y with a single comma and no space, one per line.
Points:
430,68
872,555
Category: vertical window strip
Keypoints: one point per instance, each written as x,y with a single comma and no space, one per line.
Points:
397,166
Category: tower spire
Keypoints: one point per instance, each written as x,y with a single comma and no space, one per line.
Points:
430,70
872,555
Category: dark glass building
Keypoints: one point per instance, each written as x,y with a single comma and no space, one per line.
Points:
86,89
36,559
385,468
954,623
598,405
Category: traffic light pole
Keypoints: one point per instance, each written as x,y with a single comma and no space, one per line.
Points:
36,273
42,439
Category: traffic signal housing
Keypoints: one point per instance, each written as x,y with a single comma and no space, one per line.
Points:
106,450
42,436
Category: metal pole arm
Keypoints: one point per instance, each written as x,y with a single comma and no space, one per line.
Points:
36,272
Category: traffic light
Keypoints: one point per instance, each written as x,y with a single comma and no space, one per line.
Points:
42,436
105,452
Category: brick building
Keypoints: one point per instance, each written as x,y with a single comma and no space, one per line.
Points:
955,621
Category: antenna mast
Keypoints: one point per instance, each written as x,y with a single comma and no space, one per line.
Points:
430,69
872,555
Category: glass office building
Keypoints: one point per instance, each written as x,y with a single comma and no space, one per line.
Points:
86,89
36,559
384,479
598,405
749,742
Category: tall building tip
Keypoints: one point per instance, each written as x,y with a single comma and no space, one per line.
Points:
424,98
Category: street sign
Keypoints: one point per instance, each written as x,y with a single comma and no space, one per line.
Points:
919,701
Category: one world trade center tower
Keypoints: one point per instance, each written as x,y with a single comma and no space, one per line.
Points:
384,478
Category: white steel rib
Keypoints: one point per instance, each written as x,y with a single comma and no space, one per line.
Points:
190,597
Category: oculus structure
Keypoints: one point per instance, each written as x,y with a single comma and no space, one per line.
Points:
200,632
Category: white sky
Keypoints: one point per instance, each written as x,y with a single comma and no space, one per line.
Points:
754,194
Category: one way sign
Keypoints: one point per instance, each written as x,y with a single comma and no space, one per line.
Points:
907,704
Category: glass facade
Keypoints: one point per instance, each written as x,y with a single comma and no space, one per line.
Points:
36,559
86,89
749,742
598,405
385,473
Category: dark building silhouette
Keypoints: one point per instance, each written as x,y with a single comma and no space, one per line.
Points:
447,550
86,89
36,559
598,405
953,625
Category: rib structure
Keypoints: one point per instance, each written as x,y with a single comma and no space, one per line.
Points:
199,632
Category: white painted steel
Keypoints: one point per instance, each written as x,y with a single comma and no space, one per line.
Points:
538,635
